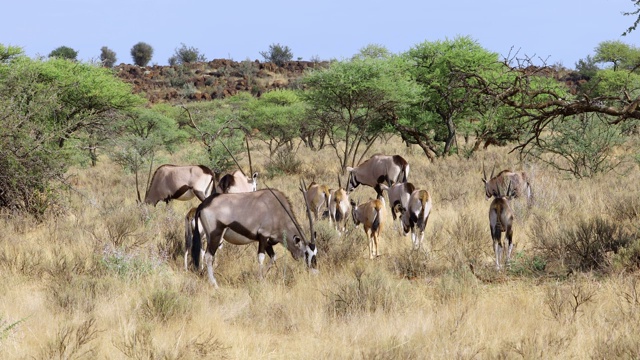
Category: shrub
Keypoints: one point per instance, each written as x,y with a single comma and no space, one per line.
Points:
64,52
108,57
277,54
185,55
141,53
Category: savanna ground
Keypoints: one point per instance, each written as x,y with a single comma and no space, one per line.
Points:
105,278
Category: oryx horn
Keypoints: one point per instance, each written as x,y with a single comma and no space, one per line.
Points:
303,188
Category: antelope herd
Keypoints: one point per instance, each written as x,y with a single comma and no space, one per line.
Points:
233,209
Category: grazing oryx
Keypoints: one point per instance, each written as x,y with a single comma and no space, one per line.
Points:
318,196
339,208
519,182
501,220
264,216
377,170
237,182
398,193
171,182
415,215
372,215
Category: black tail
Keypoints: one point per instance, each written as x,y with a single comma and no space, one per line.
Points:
376,222
338,215
197,242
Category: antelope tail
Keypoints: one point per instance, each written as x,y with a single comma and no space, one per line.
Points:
405,173
376,221
196,242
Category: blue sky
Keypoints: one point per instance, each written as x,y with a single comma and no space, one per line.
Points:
559,31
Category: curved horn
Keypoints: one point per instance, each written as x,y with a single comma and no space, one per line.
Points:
303,188
295,223
339,181
492,170
484,172
246,140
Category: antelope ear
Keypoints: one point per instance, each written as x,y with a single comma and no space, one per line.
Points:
296,239
255,175
484,181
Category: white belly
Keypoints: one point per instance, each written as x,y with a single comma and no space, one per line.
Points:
233,237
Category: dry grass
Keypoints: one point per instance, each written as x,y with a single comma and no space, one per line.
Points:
107,281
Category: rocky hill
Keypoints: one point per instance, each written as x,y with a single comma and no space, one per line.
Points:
212,80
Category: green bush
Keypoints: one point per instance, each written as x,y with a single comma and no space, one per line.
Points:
277,54
108,57
64,52
141,53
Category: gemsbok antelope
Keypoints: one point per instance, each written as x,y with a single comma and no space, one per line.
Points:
173,182
501,221
415,215
264,216
398,193
371,215
237,182
318,196
339,209
519,182
378,169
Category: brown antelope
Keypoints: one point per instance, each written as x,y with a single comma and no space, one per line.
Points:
519,182
263,216
501,220
377,170
183,183
371,215
415,215
237,182
339,208
318,196
399,194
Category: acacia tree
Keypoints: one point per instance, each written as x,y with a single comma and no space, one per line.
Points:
107,56
185,55
278,115
353,101
447,99
42,105
141,53
64,52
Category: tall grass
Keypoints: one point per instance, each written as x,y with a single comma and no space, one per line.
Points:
106,278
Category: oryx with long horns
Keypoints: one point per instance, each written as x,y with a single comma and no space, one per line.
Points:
173,182
378,169
264,216
501,221
519,182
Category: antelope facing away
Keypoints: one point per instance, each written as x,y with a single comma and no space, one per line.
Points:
263,216
377,170
519,183
339,209
399,194
318,196
501,220
189,227
237,182
183,183
372,215
415,215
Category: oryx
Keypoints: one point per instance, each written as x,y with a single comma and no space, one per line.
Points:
183,183
264,216
501,220
398,193
189,227
237,182
415,215
339,209
519,182
318,196
378,169
372,215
